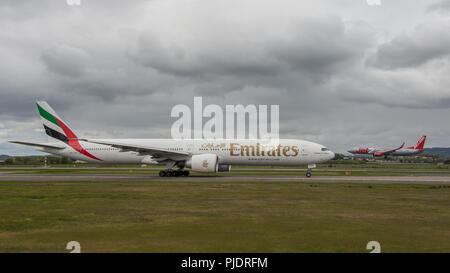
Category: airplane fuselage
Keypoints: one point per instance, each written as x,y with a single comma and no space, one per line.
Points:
285,152
372,152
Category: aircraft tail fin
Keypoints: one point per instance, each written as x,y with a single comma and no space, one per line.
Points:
54,126
419,145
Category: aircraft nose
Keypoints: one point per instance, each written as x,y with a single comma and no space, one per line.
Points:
332,155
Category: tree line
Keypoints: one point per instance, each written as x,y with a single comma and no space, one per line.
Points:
37,160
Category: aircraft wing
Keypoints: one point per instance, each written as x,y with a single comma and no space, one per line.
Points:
157,154
388,151
40,145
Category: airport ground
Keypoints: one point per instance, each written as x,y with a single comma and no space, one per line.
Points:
405,207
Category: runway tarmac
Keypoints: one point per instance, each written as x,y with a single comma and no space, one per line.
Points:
424,180
407,171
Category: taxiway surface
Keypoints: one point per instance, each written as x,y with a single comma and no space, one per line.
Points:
432,180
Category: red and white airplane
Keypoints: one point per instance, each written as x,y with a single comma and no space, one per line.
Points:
399,151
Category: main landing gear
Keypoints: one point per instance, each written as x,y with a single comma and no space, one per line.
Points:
164,173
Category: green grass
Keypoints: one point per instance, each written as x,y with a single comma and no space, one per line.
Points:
222,217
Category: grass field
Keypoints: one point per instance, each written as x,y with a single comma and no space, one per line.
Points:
222,217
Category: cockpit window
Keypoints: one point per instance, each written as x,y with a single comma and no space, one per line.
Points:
325,149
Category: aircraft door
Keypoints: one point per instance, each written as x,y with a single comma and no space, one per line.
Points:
190,146
304,150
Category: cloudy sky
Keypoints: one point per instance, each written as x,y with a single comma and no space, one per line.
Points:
344,72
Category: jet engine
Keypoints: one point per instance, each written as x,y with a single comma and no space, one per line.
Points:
205,163
378,154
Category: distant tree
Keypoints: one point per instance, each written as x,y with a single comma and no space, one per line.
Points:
26,160
18,160
9,161
64,160
53,160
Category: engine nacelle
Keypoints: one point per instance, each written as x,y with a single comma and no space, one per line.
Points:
205,163
378,154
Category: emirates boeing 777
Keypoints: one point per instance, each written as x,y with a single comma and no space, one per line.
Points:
199,155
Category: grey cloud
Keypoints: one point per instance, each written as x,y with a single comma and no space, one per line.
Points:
312,45
65,60
426,89
442,6
174,59
324,45
115,68
426,43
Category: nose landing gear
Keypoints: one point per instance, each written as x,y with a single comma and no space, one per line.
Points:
308,173
310,167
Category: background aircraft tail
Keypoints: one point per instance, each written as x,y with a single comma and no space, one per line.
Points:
419,145
54,126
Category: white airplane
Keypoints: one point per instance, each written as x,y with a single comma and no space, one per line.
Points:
200,155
